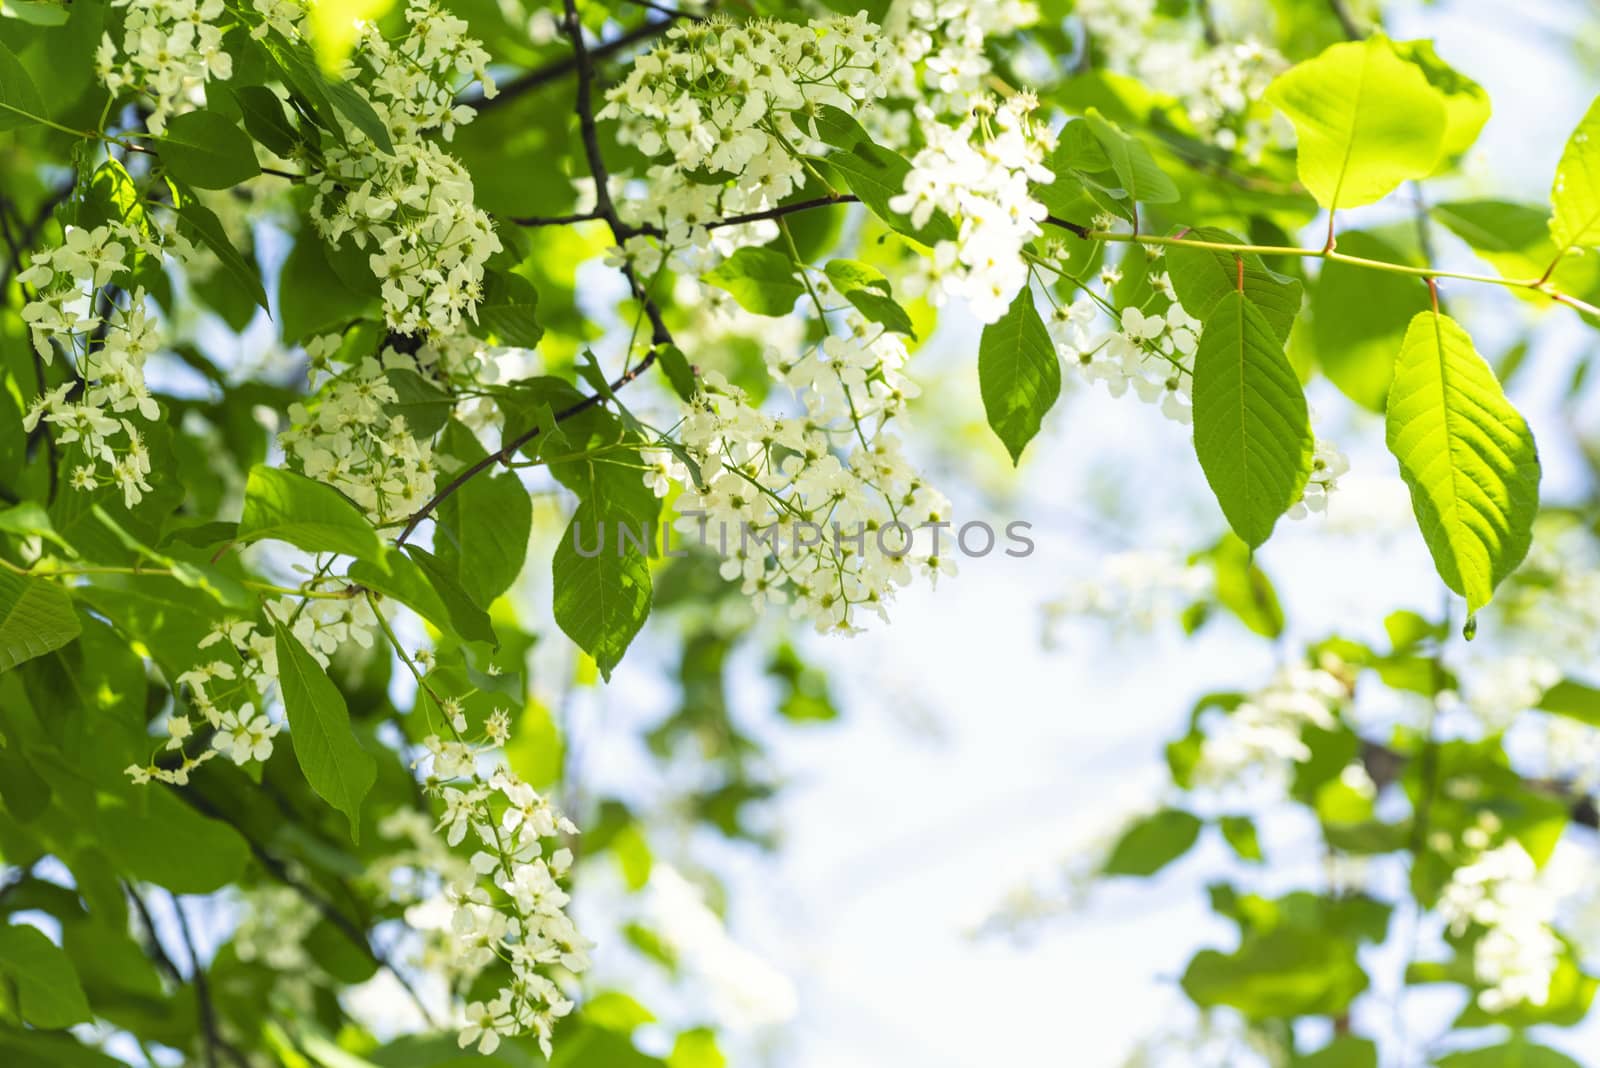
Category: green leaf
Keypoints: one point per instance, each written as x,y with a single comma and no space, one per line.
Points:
157,838
1202,277
483,529
678,371
20,103
470,621
1517,1053
425,406
201,226
1513,238
1575,196
1152,843
313,296
1252,432
1142,180
602,594
337,767
353,106
1244,589
48,992
864,286
1284,972
1466,455
282,505
1345,1051
208,150
1240,833
762,280
265,118
1367,119
1359,318
1573,699
36,617
1019,375
1466,103
508,309
398,576
876,175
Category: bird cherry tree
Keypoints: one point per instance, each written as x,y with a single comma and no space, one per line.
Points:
317,314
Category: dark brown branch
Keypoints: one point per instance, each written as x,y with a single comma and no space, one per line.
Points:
1074,228
330,912
605,209
202,994
553,220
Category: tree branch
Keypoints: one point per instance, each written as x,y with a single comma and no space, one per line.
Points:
606,209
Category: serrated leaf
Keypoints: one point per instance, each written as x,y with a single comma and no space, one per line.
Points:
1019,375
425,406
1367,120
48,992
762,280
1203,276
601,573
470,621
1575,195
509,309
1466,455
207,150
876,175
1252,432
1142,180
865,287
201,226
483,529
265,118
678,371
305,513
337,767
36,617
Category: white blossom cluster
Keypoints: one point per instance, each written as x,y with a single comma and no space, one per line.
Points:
235,695
725,108
1137,589
978,173
1499,891
1150,351
940,47
1220,86
414,210
514,907
343,435
108,347
1260,740
818,489
169,50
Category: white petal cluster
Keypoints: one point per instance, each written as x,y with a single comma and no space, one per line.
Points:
169,50
940,54
1516,953
512,907
1260,740
724,109
344,435
1328,464
413,211
1220,86
1150,351
107,345
978,173
1135,589
822,511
